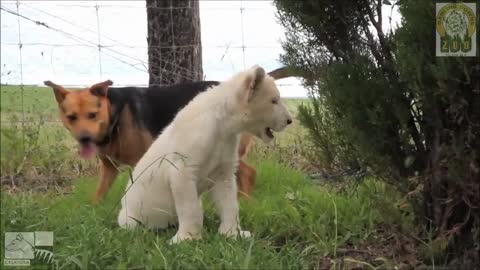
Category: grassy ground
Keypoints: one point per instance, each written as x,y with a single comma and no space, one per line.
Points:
295,223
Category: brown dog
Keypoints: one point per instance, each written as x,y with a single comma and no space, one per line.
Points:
121,123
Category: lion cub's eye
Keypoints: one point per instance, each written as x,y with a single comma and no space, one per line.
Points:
72,117
275,101
92,115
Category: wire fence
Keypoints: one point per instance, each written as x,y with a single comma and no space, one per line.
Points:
86,42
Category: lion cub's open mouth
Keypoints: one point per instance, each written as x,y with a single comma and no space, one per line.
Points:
269,132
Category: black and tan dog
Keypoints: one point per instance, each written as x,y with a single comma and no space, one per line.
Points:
121,123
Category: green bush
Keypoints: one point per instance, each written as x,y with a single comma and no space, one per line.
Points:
383,101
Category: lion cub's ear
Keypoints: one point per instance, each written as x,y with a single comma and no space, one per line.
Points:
253,77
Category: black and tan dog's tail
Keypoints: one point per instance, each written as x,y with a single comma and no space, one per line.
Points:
280,73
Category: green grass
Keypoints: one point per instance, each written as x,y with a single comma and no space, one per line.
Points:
294,224
35,99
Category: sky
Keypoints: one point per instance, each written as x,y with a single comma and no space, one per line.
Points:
69,55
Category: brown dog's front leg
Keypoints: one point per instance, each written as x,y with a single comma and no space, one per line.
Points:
245,173
108,173
245,179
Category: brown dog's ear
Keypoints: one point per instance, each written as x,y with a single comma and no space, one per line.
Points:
255,75
100,89
58,90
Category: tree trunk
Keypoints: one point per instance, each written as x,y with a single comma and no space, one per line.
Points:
174,41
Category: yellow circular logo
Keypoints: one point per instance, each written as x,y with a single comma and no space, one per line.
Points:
456,26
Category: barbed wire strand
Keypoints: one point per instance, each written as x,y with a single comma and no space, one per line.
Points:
70,22
158,8
143,47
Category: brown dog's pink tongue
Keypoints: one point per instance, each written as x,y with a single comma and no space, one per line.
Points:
87,150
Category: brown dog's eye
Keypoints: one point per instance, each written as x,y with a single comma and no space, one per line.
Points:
92,115
72,117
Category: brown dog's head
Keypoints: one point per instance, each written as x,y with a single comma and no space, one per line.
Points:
85,113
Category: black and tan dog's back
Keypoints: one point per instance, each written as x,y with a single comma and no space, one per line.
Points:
121,123
154,107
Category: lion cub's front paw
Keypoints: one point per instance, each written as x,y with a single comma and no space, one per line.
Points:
180,237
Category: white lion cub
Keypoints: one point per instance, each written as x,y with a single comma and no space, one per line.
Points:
197,153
